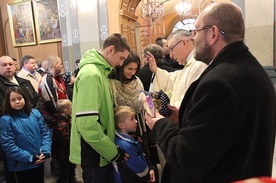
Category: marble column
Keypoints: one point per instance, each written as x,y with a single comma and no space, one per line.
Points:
84,25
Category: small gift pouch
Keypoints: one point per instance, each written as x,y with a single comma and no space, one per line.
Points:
162,100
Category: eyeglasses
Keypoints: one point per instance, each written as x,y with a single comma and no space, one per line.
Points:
193,32
172,47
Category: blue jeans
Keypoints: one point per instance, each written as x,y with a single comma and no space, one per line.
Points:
98,175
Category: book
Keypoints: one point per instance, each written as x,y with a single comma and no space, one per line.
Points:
148,104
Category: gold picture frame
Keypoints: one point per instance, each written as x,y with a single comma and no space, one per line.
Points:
21,23
47,21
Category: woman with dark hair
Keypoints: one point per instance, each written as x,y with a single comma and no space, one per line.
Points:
24,137
126,87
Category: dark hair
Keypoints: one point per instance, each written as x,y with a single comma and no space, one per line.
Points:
38,63
118,41
26,58
159,41
6,105
118,72
77,61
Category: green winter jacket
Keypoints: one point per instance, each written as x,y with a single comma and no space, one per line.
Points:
93,129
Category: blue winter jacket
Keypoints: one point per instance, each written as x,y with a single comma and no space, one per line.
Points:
136,164
23,136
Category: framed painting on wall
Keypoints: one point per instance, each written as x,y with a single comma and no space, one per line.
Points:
21,24
47,21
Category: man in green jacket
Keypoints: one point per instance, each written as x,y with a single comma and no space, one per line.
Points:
93,130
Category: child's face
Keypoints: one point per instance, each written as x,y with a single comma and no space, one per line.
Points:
17,101
130,123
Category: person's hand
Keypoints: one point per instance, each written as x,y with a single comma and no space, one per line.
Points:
152,62
175,112
151,121
126,157
152,176
123,156
39,159
46,155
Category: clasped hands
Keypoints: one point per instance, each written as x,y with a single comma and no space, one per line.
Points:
38,159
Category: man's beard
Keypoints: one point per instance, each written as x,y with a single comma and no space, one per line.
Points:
204,54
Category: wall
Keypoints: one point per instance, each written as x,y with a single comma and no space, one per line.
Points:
80,31
114,25
2,40
121,18
259,23
80,28
40,52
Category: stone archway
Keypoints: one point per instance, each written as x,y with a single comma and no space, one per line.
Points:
124,20
131,25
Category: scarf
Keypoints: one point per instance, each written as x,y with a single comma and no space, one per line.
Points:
127,94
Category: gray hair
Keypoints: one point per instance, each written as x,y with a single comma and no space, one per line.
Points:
52,61
45,62
179,34
155,50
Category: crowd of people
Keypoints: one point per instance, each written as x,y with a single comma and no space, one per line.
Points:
221,126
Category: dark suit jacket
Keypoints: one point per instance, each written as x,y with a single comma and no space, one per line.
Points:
26,86
173,63
227,123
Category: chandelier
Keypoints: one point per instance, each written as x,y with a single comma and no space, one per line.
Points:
191,8
153,10
183,8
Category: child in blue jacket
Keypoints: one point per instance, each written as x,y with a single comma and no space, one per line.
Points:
24,137
135,169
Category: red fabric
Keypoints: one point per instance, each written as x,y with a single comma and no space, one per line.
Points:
257,179
61,87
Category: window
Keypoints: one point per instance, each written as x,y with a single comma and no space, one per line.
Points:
187,24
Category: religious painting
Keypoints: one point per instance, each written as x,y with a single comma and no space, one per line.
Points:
21,24
47,21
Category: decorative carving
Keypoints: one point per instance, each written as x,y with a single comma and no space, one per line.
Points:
64,41
75,35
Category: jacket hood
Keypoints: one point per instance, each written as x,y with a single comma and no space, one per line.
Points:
94,57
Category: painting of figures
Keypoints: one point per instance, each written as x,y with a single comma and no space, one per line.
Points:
21,24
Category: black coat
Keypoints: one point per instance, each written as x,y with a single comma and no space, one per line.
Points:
173,63
26,86
227,123
145,73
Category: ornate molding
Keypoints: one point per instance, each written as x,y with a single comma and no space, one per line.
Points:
128,15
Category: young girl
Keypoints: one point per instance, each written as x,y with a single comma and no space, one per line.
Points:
135,169
24,137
